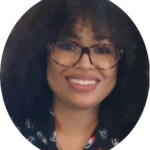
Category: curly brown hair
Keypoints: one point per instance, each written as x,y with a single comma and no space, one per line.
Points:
24,62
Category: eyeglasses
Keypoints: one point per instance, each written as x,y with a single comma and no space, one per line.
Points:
68,53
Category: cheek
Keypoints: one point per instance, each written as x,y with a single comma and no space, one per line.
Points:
52,69
50,72
54,76
109,80
108,83
112,77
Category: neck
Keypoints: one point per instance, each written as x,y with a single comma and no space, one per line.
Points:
70,120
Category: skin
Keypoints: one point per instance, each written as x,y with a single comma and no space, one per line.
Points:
76,112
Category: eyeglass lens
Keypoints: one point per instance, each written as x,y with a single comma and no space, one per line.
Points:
67,53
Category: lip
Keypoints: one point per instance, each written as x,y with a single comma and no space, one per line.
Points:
82,88
83,77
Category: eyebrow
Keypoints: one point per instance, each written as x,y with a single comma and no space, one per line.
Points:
100,37
69,35
73,35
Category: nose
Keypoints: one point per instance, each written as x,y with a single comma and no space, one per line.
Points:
84,63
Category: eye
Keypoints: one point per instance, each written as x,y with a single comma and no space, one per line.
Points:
65,46
101,50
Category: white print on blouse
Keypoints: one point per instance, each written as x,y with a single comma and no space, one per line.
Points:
31,139
42,137
53,137
103,133
114,141
90,142
51,112
28,124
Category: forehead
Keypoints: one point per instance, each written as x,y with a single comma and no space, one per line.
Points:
85,28
94,36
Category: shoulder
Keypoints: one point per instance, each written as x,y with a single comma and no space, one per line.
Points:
38,131
33,131
104,139
28,129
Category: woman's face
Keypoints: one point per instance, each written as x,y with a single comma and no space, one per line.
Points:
74,94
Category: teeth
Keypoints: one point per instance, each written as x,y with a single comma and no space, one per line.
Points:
82,82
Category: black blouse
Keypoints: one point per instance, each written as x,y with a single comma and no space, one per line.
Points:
43,135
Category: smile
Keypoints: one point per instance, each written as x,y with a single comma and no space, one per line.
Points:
82,84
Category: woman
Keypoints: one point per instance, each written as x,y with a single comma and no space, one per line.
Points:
71,78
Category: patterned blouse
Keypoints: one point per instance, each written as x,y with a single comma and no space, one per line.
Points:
43,135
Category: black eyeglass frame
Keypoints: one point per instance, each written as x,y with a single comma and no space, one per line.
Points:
84,50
